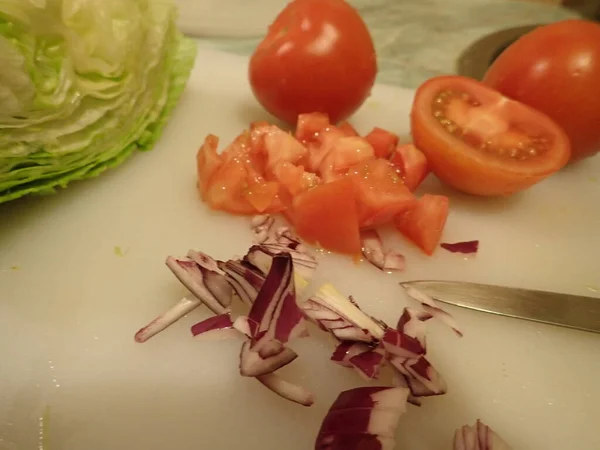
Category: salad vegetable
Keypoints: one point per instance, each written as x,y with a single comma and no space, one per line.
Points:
84,85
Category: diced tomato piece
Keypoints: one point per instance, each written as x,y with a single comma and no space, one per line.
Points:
347,129
384,142
411,164
257,125
380,193
425,223
262,195
208,162
309,125
318,150
294,178
282,147
345,152
225,190
327,215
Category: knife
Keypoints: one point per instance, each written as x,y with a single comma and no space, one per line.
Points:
566,310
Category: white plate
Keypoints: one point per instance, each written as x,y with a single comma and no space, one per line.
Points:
69,306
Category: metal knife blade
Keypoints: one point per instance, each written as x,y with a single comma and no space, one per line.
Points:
566,310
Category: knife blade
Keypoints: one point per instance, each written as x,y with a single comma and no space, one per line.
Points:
566,310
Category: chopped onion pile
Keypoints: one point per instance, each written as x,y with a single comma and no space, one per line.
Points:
478,437
267,280
373,251
461,247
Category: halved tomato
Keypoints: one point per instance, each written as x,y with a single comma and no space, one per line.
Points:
482,143
384,142
208,162
344,153
424,223
411,164
347,129
380,192
326,215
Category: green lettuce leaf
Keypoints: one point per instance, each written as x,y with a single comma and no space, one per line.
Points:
84,84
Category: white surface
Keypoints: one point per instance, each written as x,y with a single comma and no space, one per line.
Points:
69,307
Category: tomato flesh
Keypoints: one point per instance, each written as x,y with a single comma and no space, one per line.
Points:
482,143
345,152
411,164
326,215
424,223
380,192
347,129
384,142
309,125
208,163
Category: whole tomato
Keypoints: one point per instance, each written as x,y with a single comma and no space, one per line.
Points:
317,56
556,70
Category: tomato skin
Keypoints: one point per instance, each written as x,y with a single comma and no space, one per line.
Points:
470,169
556,70
424,223
318,55
327,215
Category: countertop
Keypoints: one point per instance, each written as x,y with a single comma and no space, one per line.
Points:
416,40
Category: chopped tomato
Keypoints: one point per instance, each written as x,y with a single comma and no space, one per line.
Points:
238,185
294,178
347,129
318,150
257,125
326,215
411,164
309,125
380,193
208,162
482,143
282,147
424,223
345,152
384,142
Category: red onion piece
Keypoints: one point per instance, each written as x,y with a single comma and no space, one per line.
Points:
338,314
373,251
261,227
366,360
207,285
217,327
347,350
431,307
183,307
412,324
252,364
422,379
397,343
399,380
275,309
363,416
287,390
478,437
245,280
262,255
461,247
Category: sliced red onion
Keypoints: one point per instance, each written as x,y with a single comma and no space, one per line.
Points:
261,257
245,279
261,227
183,307
217,327
399,380
275,309
206,284
412,324
355,441
478,437
336,313
461,247
287,390
252,364
431,307
366,360
422,379
397,343
368,364
373,251
242,324
365,416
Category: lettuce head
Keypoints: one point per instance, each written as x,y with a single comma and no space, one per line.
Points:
83,85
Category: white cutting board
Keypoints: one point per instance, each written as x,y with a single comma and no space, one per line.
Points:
69,306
